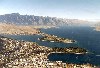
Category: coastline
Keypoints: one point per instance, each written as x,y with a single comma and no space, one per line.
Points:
54,38
96,28
35,54
25,54
12,29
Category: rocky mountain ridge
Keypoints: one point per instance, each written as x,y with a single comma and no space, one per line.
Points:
16,18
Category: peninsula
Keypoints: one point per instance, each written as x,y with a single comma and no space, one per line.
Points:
97,28
53,38
24,54
11,29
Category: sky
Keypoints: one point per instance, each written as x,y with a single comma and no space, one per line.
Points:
71,9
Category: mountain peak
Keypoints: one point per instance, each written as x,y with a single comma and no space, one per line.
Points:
16,18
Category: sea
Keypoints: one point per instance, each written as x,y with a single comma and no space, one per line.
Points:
86,38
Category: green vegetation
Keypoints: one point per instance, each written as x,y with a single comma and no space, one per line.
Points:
70,50
53,38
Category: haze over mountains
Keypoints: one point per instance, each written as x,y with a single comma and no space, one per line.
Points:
16,18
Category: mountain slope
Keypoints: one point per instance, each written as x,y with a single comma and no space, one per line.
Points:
16,18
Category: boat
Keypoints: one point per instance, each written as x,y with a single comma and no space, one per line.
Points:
52,41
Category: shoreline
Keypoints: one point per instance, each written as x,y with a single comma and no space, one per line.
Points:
96,28
12,29
27,54
54,38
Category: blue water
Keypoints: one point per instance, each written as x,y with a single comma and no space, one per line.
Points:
86,38
74,58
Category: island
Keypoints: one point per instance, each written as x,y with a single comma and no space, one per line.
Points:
24,54
53,38
12,29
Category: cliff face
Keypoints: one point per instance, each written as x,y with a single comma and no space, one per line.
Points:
16,18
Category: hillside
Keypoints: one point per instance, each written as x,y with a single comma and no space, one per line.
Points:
24,54
17,30
16,18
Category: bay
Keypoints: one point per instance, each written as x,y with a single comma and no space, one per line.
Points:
86,37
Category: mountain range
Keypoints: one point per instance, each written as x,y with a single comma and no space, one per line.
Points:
16,18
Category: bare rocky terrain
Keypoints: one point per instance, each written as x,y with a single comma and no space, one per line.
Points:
24,54
97,28
16,18
17,30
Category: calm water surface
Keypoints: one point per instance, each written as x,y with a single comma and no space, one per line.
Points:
86,38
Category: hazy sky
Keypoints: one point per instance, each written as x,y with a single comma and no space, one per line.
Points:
77,9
